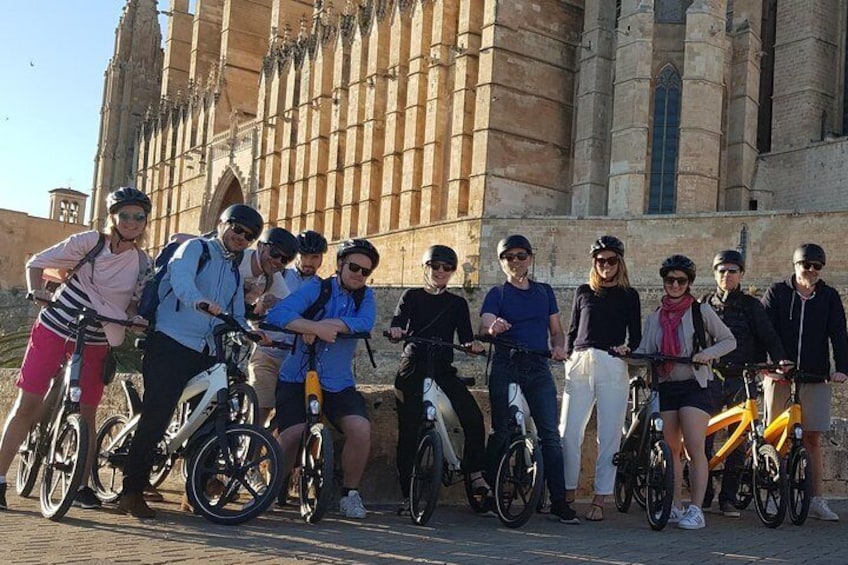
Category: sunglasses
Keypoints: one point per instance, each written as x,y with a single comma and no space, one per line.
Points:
603,261
354,268
126,216
681,281
438,266
807,265
728,270
522,256
279,255
244,232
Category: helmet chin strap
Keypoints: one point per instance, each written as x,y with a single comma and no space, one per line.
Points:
432,287
121,237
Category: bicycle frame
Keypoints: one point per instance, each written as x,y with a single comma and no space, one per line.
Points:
746,415
786,429
519,412
440,414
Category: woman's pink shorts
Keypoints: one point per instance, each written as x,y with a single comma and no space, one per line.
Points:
46,353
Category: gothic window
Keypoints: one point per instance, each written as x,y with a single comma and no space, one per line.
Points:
671,11
665,142
728,26
769,31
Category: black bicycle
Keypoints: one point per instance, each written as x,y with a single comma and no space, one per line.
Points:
644,469
441,441
59,440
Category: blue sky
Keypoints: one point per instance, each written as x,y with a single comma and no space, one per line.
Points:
53,54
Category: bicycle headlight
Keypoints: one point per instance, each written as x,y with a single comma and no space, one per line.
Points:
75,393
431,413
658,423
314,407
798,431
760,429
519,418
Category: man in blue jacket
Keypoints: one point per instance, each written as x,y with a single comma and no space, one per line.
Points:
182,344
808,316
349,309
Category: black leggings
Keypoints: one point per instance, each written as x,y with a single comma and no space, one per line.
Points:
410,383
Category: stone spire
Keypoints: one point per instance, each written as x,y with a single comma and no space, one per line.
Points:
132,83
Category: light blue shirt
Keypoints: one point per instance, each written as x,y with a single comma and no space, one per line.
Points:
335,360
183,287
294,281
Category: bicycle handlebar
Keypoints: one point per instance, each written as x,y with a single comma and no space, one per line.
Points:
341,335
87,313
432,341
655,357
516,347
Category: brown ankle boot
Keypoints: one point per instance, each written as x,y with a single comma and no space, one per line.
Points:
133,503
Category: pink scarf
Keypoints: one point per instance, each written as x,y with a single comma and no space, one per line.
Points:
671,313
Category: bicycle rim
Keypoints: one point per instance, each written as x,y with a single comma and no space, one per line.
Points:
426,477
64,467
106,476
659,488
316,473
771,490
800,485
29,461
518,483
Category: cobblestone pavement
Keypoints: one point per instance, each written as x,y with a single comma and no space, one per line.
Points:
454,535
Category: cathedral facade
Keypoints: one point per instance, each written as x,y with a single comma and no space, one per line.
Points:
682,126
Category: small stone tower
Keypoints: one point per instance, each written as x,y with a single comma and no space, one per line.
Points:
132,84
67,205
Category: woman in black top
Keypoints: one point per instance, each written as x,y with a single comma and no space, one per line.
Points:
434,312
606,315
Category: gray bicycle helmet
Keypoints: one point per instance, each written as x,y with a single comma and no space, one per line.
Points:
679,263
514,241
730,256
363,246
281,239
809,252
607,242
311,242
441,253
244,215
125,196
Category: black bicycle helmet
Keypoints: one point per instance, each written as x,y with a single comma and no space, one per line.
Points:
244,215
281,239
441,253
679,263
514,241
809,252
310,242
127,195
729,256
607,243
363,246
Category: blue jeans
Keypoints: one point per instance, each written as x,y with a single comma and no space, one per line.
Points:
537,384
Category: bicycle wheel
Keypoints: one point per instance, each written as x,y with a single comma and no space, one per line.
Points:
480,503
800,485
426,477
622,491
771,490
64,467
640,482
518,483
316,473
222,483
29,461
162,465
106,478
659,487
243,403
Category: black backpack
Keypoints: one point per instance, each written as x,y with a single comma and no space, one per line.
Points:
315,311
149,302
90,256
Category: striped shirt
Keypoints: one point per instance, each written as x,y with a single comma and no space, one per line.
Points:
62,323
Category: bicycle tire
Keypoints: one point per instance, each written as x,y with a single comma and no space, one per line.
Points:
518,483
478,502
622,491
243,403
105,476
639,485
64,467
315,482
771,490
29,462
219,486
426,478
800,484
659,487
162,465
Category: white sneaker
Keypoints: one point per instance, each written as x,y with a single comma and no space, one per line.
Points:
693,519
821,511
351,506
675,515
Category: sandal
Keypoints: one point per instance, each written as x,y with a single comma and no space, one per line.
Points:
596,513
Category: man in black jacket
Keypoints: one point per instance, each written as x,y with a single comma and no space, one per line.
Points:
808,316
755,337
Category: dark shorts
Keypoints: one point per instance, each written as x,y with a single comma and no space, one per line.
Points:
291,409
679,394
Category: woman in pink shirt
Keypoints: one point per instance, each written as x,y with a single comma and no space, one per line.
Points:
110,283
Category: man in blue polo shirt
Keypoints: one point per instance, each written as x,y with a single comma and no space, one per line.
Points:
343,406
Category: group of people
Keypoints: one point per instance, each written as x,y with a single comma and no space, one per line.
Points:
797,323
